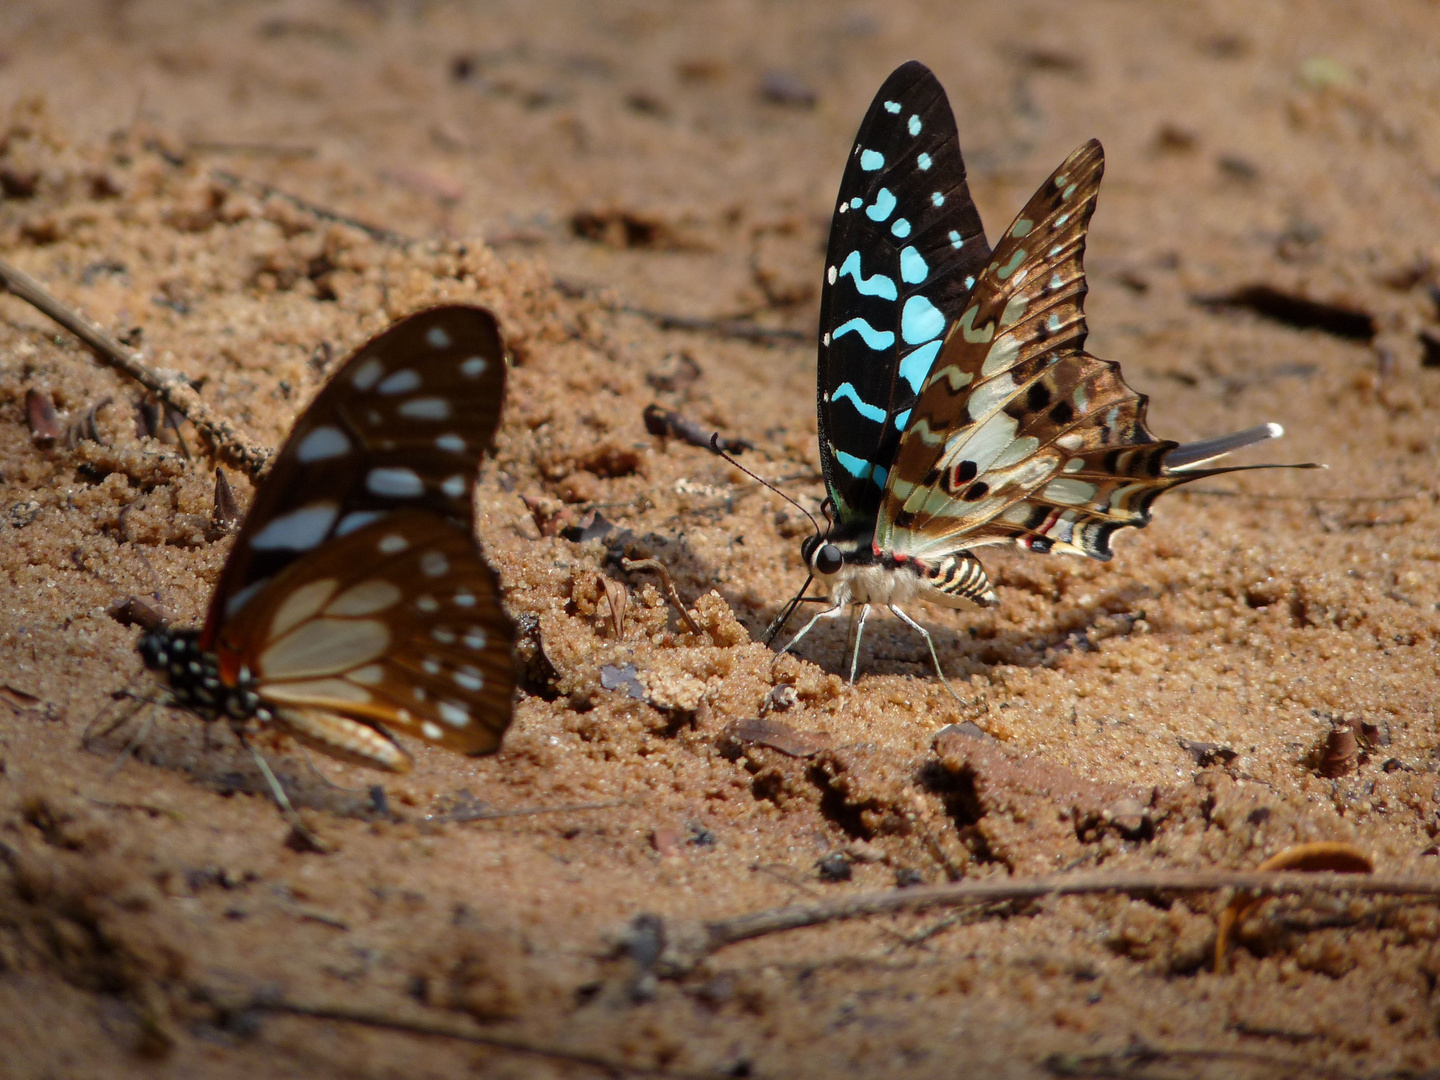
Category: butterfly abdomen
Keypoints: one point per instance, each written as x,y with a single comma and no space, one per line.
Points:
959,577
194,676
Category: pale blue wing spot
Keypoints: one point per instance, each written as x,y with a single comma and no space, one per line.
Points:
913,268
914,124
856,467
923,162
956,240
920,320
879,340
970,282
882,207
846,392
900,419
901,228
859,467
1012,265
917,364
936,199
856,203
878,285
892,106
871,160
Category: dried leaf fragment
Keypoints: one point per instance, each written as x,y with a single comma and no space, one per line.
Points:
764,731
44,423
225,514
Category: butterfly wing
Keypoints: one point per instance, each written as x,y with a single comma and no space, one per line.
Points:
1018,434
395,626
401,426
905,246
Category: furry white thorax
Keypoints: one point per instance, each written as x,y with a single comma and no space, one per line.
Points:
882,585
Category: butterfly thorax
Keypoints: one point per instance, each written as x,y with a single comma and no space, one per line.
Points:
195,678
846,559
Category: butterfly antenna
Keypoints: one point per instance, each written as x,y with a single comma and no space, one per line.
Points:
715,447
788,610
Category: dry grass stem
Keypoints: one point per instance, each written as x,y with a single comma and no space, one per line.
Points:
171,387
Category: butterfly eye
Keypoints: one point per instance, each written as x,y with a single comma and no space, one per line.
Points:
828,560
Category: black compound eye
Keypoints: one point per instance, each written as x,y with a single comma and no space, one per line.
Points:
828,560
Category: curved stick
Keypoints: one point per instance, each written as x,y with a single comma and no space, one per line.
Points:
171,387
687,943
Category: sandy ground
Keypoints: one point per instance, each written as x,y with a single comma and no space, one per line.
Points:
572,166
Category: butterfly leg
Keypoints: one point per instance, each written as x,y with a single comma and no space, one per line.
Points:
137,739
90,735
828,613
282,800
859,633
908,621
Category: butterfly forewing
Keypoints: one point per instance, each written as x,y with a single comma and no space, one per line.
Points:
1017,433
398,626
905,246
401,426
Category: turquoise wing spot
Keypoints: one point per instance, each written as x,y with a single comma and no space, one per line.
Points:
860,468
879,340
847,392
871,160
900,419
892,107
916,365
914,124
920,320
882,207
923,162
913,268
901,228
877,285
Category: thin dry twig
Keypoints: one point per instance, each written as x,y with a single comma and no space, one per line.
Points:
1319,856
687,943
171,387
479,814
324,213
730,328
668,422
1132,1059
735,326
671,593
368,1018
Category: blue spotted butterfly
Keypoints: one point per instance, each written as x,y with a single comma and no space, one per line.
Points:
957,406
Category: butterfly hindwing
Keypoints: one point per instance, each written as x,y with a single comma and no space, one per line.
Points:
905,245
1018,434
400,426
397,625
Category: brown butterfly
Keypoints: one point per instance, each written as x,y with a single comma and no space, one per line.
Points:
355,602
